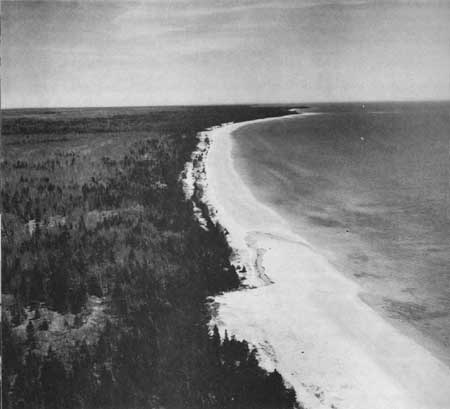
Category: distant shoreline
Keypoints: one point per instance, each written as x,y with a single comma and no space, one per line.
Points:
328,343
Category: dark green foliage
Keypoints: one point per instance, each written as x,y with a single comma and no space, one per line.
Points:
127,234
44,325
245,383
31,337
54,382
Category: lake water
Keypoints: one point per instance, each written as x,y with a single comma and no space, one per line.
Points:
369,187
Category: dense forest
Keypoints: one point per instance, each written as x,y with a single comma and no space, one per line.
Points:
105,271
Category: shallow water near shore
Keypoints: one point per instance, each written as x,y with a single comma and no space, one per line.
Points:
367,185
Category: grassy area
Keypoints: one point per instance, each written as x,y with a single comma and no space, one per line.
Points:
106,271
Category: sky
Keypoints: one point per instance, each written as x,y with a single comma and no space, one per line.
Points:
171,52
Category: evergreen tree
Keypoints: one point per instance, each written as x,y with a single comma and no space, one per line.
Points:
59,287
216,341
105,392
37,312
77,297
32,388
83,377
31,336
54,382
44,325
94,287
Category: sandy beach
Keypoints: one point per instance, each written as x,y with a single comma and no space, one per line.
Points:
306,318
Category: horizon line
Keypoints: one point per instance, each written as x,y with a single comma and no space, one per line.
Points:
231,104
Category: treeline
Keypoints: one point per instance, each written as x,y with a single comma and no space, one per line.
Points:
226,375
32,125
154,267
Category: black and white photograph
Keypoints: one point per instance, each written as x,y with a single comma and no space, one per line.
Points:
225,204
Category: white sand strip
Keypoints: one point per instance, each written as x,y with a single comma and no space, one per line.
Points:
305,318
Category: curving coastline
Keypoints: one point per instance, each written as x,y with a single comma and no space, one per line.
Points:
305,318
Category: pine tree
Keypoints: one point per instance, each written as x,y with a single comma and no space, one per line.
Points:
31,336
37,312
44,325
82,225
59,287
29,210
104,396
83,380
32,389
54,382
216,340
78,298
275,391
94,287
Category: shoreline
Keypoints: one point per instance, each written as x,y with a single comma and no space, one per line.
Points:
305,318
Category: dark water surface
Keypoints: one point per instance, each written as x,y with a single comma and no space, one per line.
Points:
369,186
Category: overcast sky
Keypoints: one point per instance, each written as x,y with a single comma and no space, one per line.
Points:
108,53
